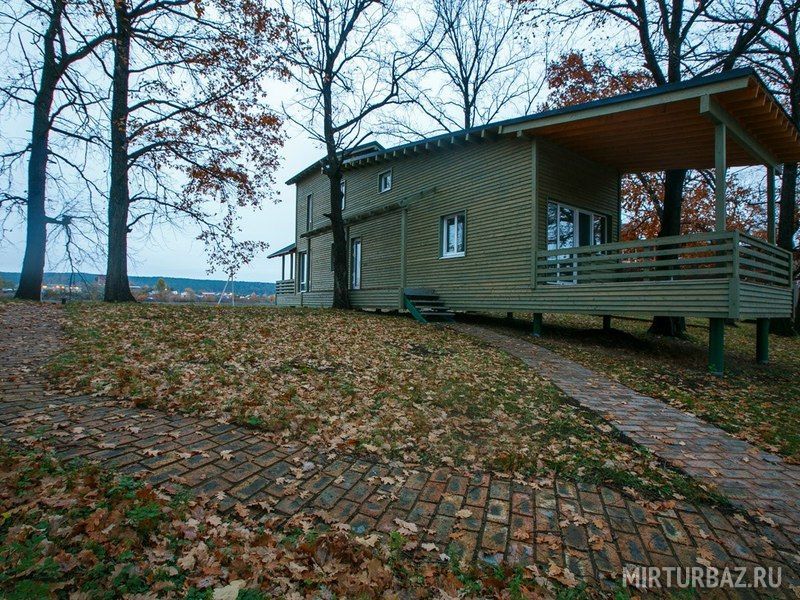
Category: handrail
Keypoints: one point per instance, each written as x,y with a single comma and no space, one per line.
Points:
632,244
284,286
728,254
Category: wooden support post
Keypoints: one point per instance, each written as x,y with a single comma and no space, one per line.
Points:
606,322
510,316
762,341
283,266
537,324
720,175
771,204
716,346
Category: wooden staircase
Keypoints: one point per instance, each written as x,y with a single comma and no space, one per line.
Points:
425,306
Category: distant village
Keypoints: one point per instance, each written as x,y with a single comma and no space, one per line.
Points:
160,292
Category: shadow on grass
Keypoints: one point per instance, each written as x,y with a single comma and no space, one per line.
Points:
691,349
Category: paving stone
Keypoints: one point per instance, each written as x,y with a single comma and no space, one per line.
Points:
498,511
717,457
500,490
477,495
507,521
494,537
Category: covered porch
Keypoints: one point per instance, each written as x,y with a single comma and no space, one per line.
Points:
710,123
285,285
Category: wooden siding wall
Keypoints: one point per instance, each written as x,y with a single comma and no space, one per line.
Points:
572,179
492,184
380,261
764,301
702,298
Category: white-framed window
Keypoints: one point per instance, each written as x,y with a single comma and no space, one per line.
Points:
385,181
570,227
309,211
453,234
343,189
302,271
355,263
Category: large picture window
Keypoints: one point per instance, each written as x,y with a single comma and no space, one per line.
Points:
454,235
569,227
302,270
355,263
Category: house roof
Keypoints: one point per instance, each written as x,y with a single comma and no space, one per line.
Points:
284,251
665,127
367,148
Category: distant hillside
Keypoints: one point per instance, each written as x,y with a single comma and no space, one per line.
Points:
174,283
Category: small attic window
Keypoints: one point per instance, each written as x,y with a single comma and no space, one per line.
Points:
385,181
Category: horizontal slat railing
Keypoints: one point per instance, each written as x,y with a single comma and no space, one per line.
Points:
686,257
284,286
760,262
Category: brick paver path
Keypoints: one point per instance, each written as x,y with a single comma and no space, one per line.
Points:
592,530
759,482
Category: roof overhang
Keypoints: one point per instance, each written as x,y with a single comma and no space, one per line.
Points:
369,147
666,127
284,251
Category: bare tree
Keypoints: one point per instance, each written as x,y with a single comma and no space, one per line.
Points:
191,137
777,54
343,56
670,38
482,64
53,37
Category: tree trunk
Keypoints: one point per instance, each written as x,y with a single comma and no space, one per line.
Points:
30,281
341,288
117,285
787,227
671,225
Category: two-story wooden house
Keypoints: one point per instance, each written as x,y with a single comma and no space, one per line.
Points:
524,214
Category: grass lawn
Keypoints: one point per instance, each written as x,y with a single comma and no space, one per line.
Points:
68,530
758,403
373,384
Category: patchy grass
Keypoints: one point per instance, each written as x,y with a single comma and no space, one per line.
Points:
80,532
754,402
352,381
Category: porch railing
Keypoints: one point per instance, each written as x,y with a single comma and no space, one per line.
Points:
728,254
284,286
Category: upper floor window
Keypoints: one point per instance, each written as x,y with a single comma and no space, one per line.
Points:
343,189
454,235
309,211
385,181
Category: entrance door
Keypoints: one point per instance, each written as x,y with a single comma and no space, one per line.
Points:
570,227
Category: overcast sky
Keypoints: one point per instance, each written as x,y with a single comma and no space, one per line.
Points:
175,252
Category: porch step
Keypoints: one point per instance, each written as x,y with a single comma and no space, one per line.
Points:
420,293
424,305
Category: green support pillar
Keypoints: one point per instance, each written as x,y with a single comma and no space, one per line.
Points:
762,341
537,324
716,346
509,316
606,322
